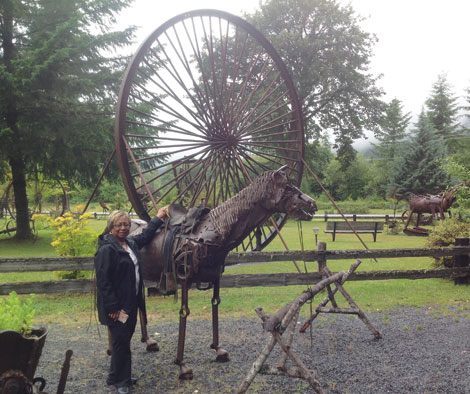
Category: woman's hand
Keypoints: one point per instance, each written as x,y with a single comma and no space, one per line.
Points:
164,211
114,315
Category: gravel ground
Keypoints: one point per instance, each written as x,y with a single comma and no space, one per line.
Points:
422,351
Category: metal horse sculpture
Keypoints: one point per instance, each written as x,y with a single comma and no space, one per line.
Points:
432,204
193,246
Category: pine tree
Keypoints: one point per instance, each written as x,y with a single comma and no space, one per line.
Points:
59,77
443,109
466,107
392,131
419,170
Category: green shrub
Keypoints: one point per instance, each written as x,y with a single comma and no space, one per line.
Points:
120,201
15,314
351,206
444,235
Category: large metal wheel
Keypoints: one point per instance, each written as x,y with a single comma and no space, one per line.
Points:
45,195
205,106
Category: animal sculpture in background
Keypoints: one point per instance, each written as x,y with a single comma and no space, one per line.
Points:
430,204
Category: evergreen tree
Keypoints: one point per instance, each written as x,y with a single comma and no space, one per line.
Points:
419,170
443,109
466,108
460,157
392,131
58,83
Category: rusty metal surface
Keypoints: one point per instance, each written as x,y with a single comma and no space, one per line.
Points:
205,94
204,238
21,353
432,204
201,245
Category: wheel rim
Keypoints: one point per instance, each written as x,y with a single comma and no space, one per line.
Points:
38,189
205,106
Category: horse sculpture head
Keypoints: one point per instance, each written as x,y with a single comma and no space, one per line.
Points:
271,192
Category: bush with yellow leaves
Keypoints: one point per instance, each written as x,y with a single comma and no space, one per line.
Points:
72,237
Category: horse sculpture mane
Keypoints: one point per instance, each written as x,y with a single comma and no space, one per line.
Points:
235,218
228,213
192,248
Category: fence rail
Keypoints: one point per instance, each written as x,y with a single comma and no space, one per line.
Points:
230,281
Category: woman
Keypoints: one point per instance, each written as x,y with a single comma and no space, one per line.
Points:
120,290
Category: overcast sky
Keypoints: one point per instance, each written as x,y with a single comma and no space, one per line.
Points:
418,39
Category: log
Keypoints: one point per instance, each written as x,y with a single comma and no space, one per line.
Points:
309,376
306,373
38,264
289,339
239,281
86,263
255,368
51,287
312,255
347,311
292,372
291,308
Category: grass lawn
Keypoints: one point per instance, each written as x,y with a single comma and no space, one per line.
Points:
436,294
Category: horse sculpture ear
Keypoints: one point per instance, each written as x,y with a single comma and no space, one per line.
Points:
280,182
280,176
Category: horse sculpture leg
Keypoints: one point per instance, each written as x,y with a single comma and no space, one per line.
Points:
222,354
185,371
152,345
409,219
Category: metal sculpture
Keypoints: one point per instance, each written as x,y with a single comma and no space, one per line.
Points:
193,246
430,204
206,105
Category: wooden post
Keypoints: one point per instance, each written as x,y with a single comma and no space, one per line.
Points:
321,247
462,261
322,269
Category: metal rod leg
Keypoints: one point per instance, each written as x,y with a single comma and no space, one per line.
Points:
152,345
185,372
222,354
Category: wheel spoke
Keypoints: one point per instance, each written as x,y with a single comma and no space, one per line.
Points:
205,107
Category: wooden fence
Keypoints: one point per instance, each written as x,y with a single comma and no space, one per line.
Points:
461,273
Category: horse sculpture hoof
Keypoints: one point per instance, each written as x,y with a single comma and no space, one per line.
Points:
152,346
186,373
222,356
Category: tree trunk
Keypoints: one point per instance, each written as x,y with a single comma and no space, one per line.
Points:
16,156
23,229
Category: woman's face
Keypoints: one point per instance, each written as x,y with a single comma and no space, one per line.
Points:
121,228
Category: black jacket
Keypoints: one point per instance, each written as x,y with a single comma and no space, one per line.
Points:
115,273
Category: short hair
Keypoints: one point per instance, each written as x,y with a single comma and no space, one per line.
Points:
113,218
